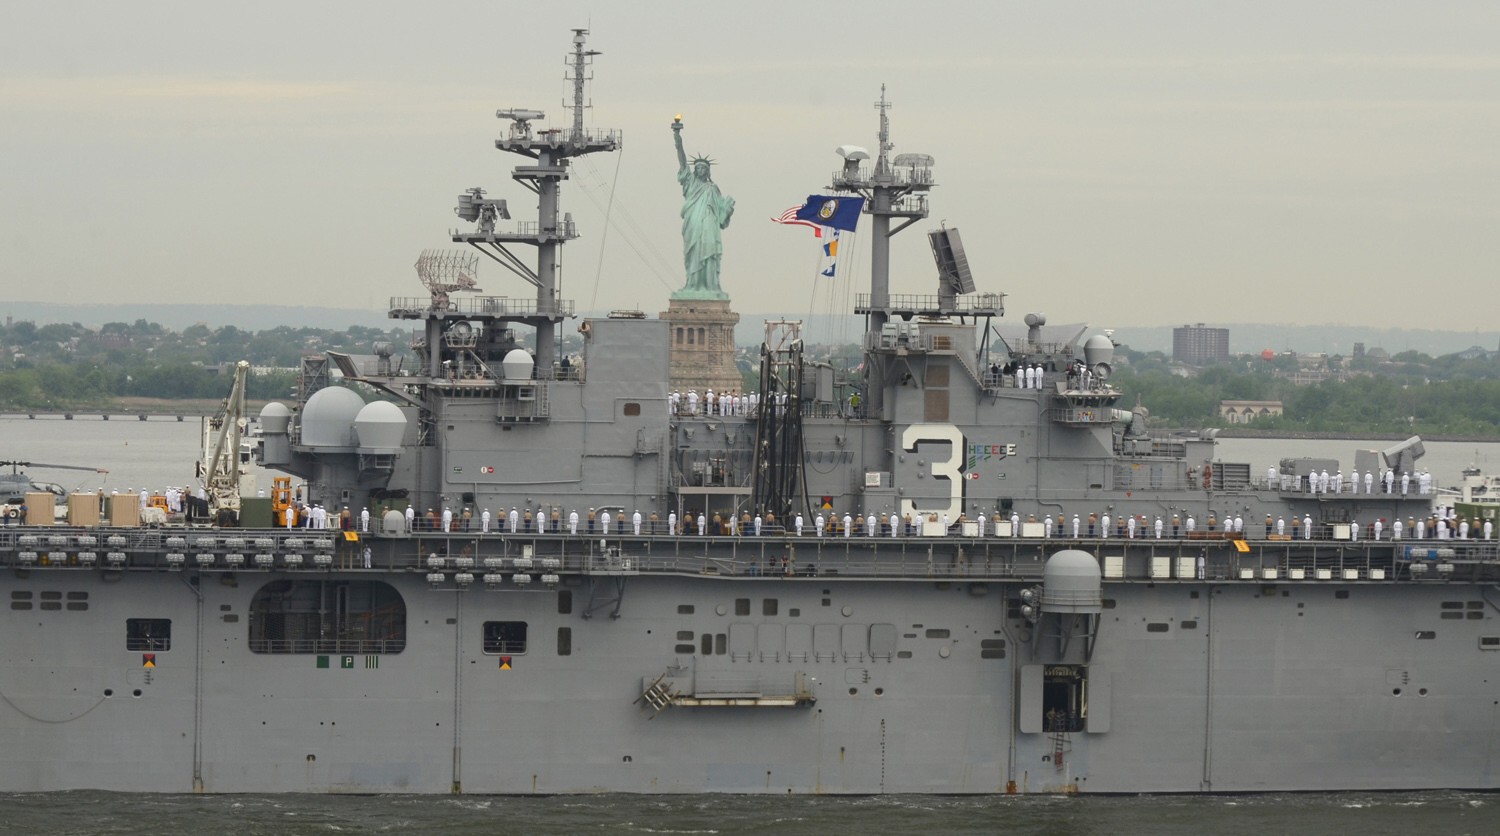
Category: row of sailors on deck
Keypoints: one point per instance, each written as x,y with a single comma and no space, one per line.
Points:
176,499
1321,482
314,515
725,404
1034,375
872,525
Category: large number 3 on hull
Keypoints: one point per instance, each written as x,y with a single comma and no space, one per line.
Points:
950,468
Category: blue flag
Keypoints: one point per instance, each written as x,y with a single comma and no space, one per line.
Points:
836,212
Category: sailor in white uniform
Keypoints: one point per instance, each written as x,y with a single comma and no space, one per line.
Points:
635,522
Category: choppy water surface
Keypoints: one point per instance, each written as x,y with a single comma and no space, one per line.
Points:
1367,814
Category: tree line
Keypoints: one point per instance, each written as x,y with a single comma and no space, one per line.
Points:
1362,404
54,386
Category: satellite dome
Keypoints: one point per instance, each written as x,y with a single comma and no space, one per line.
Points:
516,367
275,417
379,427
393,522
1071,583
328,417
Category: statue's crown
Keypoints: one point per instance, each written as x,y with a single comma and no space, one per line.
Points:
702,159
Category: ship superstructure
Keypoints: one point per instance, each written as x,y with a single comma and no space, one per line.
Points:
978,574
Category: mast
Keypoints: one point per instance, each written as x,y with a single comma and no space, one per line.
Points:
891,192
897,191
552,149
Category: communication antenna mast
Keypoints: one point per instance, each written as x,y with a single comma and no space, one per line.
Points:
447,271
578,72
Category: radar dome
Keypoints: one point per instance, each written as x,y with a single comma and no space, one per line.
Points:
393,522
328,417
1071,583
1098,349
516,367
275,418
379,427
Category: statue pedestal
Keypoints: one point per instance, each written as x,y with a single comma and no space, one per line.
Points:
702,346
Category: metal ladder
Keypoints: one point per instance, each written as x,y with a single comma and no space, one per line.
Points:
658,695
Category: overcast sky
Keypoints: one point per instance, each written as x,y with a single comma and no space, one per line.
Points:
1144,162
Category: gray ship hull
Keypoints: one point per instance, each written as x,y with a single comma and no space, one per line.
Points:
923,681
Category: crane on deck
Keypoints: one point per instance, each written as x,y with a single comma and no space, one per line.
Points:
220,468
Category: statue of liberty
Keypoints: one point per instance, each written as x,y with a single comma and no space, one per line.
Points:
705,211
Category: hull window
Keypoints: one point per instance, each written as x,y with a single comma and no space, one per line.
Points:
148,634
510,637
1063,698
324,616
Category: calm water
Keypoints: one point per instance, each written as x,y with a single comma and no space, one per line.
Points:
161,452
1398,814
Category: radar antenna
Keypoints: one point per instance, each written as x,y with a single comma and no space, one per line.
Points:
578,72
474,207
447,271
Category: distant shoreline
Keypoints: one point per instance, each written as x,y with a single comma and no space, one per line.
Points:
133,408
1239,432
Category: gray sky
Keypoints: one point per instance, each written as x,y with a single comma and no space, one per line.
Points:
1145,162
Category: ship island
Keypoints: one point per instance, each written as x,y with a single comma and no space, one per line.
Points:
969,570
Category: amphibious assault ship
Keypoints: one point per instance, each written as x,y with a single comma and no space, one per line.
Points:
888,595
